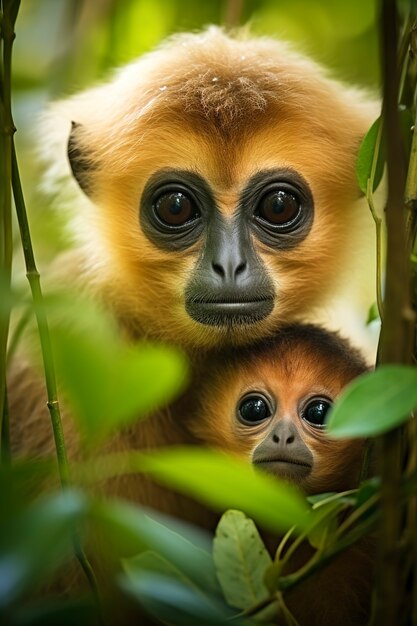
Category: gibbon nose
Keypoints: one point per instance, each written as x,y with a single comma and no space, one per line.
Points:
229,262
284,434
229,269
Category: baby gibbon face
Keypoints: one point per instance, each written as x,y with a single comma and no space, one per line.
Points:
221,189
272,409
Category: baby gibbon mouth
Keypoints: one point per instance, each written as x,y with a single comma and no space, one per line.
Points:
290,469
226,313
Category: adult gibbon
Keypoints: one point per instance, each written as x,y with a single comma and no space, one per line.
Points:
216,196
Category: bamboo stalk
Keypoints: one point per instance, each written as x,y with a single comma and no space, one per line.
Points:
396,331
7,131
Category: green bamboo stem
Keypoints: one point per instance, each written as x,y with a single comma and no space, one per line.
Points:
42,322
48,363
396,332
6,238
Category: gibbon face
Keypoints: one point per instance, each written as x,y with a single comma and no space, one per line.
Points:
221,189
270,407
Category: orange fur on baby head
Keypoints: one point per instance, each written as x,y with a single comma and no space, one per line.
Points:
286,386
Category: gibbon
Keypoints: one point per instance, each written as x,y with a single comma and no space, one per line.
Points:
212,192
212,197
216,196
268,404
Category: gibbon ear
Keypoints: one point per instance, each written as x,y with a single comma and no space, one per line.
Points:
81,165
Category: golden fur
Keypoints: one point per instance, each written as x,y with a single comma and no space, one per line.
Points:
224,107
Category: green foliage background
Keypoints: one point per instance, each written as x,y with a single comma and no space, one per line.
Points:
62,46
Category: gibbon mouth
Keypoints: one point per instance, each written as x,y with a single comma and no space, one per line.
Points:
284,467
227,313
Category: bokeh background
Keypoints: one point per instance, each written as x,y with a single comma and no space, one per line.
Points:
64,45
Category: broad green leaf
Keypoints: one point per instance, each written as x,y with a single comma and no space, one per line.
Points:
133,531
241,559
227,482
150,562
375,402
34,542
177,604
366,155
109,384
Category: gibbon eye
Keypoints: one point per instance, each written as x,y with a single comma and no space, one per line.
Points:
175,208
253,409
315,411
279,208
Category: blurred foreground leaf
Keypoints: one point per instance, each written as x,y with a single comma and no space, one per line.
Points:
184,606
177,604
375,403
34,542
133,531
241,559
108,383
226,482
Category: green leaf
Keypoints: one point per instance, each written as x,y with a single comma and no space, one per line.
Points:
185,547
227,482
241,559
152,562
109,384
366,155
375,402
33,543
171,602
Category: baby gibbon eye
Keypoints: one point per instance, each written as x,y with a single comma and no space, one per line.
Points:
175,208
279,207
253,408
315,411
